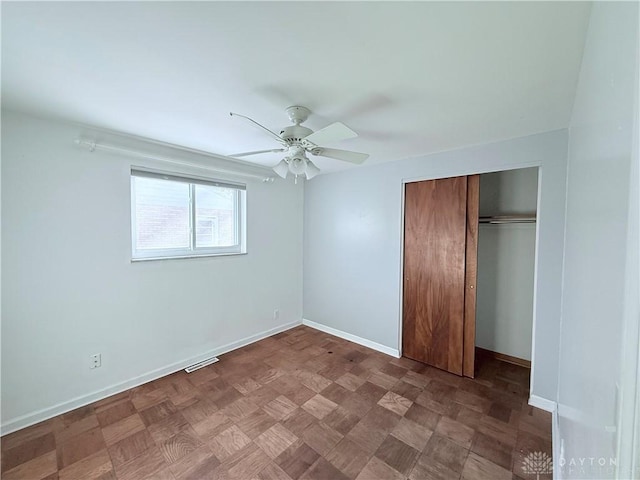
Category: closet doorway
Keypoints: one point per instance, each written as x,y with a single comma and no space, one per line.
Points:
468,269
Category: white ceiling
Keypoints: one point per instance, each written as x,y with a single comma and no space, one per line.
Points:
411,78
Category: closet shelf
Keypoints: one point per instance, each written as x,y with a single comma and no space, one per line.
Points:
502,219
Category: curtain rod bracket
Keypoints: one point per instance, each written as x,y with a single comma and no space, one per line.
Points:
90,145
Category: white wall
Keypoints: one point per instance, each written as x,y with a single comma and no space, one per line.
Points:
70,289
506,252
504,312
597,228
353,241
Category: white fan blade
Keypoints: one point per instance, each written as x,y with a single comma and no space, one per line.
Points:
277,137
257,152
330,134
345,155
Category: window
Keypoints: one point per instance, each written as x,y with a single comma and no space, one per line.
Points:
174,216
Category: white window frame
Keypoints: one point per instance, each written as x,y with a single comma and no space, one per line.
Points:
239,248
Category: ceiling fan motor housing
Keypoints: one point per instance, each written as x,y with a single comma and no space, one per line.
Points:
295,134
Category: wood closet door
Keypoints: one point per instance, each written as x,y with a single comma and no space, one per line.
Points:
435,276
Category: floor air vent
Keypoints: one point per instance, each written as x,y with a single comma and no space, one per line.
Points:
204,363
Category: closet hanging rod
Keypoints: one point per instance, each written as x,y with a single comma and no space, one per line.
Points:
504,219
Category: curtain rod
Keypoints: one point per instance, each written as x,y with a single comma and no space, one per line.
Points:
505,219
92,146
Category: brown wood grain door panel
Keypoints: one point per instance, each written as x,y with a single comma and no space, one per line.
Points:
434,272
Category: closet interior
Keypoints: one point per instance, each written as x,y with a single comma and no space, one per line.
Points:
506,257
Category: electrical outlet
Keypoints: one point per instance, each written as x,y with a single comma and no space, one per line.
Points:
96,360
276,314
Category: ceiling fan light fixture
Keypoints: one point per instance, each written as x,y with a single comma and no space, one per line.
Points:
282,168
297,165
312,170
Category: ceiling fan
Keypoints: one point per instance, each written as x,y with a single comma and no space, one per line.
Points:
296,141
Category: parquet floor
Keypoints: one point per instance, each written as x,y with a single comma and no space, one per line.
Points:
299,405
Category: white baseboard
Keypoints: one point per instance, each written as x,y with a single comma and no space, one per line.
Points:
352,338
542,403
64,407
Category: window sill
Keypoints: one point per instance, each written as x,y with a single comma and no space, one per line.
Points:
182,257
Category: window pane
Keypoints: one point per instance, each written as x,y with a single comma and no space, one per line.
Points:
162,214
215,216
